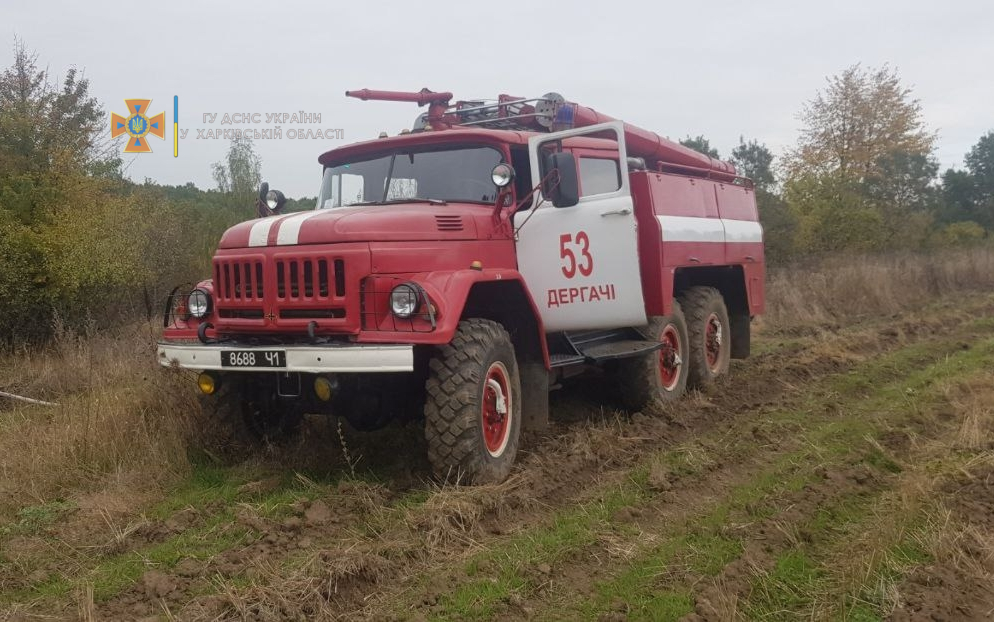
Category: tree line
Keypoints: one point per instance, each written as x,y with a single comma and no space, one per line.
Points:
864,175
83,246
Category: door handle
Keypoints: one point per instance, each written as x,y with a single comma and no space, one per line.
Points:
618,212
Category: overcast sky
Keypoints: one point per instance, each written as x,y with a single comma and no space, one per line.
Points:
718,68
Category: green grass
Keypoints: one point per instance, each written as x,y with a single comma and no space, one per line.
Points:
34,518
217,535
786,588
508,566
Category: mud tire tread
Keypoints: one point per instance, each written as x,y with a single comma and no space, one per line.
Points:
456,448
698,303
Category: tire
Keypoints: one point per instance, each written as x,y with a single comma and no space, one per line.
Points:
660,376
710,335
469,439
251,411
266,417
373,403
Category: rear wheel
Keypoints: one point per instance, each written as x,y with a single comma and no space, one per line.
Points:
472,414
710,335
660,375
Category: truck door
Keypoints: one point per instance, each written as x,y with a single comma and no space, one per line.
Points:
581,263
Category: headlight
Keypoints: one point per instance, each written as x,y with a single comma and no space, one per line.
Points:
272,199
502,174
405,299
198,303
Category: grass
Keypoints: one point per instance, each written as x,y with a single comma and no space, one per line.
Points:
707,548
123,443
31,519
840,289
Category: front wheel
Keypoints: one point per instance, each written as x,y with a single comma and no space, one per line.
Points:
247,410
472,410
660,375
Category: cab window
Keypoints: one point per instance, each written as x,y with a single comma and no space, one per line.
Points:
598,176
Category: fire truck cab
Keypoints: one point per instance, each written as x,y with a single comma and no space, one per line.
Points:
457,271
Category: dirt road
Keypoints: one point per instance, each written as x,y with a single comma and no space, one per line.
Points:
841,473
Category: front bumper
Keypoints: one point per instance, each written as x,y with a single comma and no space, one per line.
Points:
304,359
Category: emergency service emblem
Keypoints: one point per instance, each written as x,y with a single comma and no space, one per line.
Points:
138,126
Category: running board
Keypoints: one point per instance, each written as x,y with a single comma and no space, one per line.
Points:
596,346
620,349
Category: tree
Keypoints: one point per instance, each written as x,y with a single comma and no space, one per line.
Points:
754,160
863,117
959,199
780,226
864,159
44,128
832,215
241,171
980,163
701,144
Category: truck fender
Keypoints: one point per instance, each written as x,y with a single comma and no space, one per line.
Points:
497,294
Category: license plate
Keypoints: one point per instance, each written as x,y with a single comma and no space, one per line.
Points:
253,358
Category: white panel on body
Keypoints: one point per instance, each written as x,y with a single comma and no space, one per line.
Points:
743,231
289,232
691,229
694,229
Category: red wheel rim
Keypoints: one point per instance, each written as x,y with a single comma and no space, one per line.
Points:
497,409
669,358
713,335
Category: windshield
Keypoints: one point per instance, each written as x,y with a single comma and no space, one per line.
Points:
461,174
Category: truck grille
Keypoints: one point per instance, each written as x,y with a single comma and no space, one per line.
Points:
309,278
238,280
287,290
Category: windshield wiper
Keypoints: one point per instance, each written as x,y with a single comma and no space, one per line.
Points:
410,200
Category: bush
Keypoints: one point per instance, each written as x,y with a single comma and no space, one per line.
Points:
964,233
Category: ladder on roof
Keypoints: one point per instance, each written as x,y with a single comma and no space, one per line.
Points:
549,112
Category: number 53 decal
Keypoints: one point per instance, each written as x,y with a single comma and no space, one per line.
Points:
581,243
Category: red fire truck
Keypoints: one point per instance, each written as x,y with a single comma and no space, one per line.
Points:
459,270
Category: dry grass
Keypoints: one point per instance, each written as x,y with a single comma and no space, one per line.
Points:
452,512
119,417
833,289
309,591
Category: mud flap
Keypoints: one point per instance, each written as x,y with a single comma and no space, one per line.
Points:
741,327
534,395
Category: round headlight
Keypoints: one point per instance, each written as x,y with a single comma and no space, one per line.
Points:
502,174
405,299
198,303
272,199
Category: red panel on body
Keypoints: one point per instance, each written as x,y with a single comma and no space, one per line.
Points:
693,254
676,195
406,257
650,243
736,202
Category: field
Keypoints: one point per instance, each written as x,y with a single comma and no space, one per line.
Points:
844,471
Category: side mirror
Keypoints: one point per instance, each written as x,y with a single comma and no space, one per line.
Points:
263,191
566,193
